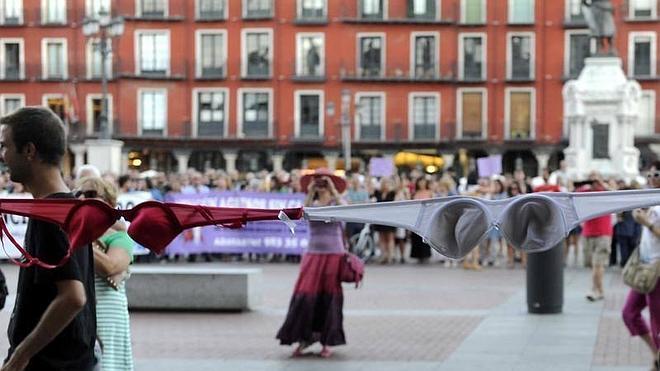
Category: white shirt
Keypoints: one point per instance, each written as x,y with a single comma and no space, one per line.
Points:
649,245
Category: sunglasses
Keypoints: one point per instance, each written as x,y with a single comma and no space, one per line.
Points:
653,175
87,194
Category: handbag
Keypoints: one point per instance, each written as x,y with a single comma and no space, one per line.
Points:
352,269
641,277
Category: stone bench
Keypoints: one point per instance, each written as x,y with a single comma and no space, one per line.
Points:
163,287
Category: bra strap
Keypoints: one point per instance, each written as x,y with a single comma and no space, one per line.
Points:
29,259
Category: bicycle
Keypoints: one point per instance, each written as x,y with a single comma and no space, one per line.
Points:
364,245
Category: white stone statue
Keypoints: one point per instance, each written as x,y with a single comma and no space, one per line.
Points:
599,15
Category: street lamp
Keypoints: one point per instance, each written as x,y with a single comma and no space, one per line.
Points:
346,127
104,28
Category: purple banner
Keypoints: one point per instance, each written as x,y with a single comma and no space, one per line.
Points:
488,166
256,237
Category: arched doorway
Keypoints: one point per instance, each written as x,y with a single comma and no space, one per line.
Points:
467,167
526,160
253,161
204,160
555,158
152,159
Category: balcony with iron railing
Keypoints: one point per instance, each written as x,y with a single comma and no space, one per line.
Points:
424,132
166,11
311,17
352,13
175,69
632,13
12,20
420,74
211,72
258,14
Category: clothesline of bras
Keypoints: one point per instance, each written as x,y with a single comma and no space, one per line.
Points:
453,226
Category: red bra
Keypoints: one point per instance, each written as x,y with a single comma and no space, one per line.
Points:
153,224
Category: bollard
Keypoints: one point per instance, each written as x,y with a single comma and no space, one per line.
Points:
545,281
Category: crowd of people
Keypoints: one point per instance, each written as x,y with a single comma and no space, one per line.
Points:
64,312
612,237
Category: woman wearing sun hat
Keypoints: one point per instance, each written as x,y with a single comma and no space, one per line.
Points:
315,311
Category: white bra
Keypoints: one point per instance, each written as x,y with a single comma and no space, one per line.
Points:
455,225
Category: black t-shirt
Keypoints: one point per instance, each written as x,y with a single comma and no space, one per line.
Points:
73,348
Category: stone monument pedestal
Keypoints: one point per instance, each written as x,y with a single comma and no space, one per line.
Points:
601,111
105,154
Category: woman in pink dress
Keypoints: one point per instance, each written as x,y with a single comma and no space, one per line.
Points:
315,311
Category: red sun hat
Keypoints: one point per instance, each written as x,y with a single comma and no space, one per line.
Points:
340,183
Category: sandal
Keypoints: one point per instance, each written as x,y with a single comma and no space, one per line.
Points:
325,352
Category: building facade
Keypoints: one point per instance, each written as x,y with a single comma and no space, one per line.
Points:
251,84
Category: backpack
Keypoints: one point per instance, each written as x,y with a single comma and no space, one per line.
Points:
352,269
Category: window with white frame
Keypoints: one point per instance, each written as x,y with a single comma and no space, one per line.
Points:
211,112
370,55
578,47
54,58
372,9
53,11
643,9
11,11
257,8
310,60
309,114
257,53
94,60
425,57
519,113
11,59
153,8
642,55
11,102
94,7
424,116
521,56
211,9
473,11
422,9
472,116
153,53
255,113
646,124
211,50
94,111
311,9
574,11
472,57
521,11
370,116
152,111
58,104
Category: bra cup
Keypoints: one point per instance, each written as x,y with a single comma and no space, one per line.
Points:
88,222
457,228
152,227
533,223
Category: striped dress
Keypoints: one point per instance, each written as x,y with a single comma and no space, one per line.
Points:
112,322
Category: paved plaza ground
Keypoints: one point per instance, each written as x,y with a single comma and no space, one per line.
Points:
410,317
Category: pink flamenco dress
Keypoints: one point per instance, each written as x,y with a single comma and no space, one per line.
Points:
315,310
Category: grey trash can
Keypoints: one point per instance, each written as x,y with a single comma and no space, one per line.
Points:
545,281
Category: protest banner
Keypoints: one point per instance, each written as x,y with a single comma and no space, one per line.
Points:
257,237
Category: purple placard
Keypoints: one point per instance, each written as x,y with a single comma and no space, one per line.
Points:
381,166
255,237
489,166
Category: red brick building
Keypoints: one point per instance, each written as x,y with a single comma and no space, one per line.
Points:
258,83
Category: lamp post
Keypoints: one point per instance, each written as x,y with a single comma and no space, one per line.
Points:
104,28
346,127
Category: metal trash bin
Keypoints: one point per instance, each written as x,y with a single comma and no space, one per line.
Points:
545,281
